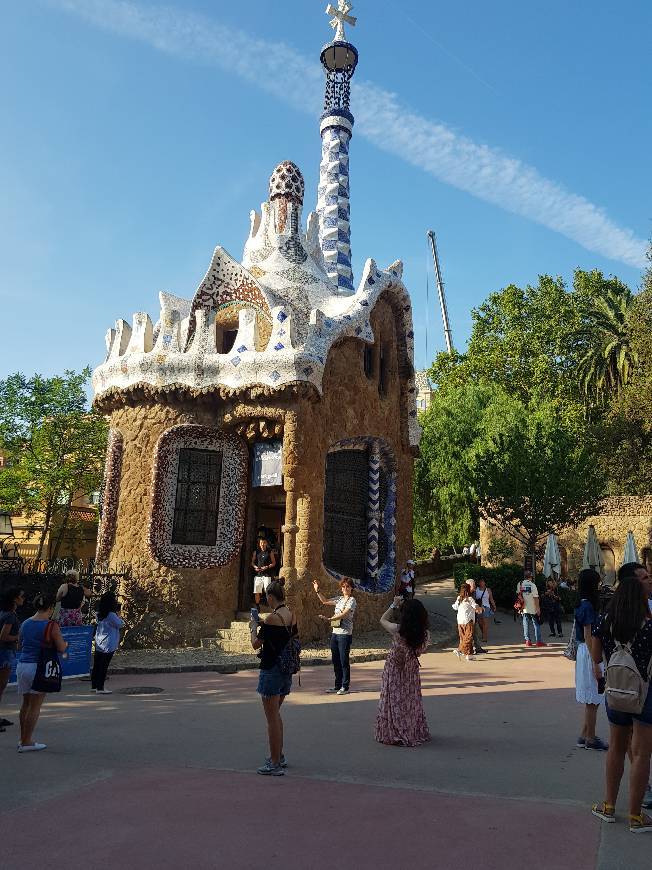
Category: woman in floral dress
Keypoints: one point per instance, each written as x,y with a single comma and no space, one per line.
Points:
401,720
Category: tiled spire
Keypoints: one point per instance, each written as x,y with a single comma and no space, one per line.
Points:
339,59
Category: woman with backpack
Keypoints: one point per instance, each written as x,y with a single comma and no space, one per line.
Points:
401,720
271,637
586,682
627,622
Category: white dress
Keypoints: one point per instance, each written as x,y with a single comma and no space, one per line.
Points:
586,685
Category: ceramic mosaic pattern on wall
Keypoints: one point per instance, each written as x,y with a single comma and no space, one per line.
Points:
110,495
333,202
378,580
233,494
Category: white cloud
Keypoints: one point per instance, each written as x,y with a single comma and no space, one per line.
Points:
277,68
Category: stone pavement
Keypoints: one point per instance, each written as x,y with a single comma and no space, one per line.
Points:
167,781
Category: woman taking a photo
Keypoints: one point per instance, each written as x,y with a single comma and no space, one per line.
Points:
30,640
10,601
71,594
586,682
401,720
627,621
342,636
271,636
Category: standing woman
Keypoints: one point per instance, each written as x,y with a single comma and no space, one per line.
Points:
401,720
30,640
586,681
11,600
107,640
627,621
271,637
71,594
467,608
342,636
485,600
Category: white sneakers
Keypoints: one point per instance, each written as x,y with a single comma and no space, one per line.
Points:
33,747
102,691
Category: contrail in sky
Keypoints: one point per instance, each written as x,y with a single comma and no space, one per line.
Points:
277,68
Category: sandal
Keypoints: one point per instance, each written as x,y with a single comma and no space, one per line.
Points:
640,824
604,811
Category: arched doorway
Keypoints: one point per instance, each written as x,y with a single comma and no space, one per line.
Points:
609,564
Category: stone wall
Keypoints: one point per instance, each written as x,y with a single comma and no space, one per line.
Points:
618,515
186,604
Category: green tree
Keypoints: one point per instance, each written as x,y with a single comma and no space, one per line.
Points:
533,473
54,449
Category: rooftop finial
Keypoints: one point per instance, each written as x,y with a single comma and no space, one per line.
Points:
340,15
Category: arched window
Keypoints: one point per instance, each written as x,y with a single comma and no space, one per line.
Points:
368,360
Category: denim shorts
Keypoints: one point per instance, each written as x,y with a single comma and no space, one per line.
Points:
616,717
7,658
25,673
273,682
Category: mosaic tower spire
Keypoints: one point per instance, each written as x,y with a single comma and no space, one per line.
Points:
339,59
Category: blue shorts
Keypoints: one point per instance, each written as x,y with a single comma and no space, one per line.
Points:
273,682
7,658
487,612
616,717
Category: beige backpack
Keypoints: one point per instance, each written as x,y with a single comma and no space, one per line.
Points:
625,688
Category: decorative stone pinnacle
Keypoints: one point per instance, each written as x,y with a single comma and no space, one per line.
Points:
340,16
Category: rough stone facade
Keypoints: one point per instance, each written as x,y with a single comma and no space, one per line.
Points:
618,515
187,604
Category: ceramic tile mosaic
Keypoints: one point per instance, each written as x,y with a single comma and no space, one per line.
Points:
233,494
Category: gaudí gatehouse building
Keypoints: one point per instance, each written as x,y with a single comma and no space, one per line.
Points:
281,393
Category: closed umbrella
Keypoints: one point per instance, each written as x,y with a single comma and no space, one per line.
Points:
593,557
630,553
552,557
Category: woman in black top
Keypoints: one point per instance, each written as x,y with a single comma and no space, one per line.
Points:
71,594
270,637
627,621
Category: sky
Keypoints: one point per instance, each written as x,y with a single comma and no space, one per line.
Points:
136,136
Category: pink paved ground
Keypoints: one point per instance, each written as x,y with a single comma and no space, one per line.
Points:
182,819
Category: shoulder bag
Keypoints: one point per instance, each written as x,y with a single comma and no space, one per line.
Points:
48,669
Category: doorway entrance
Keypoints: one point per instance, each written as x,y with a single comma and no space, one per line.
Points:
266,508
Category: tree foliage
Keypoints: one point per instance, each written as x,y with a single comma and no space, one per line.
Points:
53,446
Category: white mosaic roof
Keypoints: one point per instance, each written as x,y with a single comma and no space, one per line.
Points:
282,280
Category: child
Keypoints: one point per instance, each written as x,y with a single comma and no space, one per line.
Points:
107,640
552,609
466,611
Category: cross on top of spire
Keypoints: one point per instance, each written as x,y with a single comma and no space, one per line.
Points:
340,16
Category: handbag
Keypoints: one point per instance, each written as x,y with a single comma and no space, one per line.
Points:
571,647
48,669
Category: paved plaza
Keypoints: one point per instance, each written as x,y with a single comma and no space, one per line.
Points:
168,780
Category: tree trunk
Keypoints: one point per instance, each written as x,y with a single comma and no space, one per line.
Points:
46,528
62,529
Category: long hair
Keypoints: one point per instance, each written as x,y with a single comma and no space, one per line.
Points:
108,603
414,623
276,589
9,596
628,608
587,587
465,591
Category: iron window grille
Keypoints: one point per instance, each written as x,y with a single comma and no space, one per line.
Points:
197,500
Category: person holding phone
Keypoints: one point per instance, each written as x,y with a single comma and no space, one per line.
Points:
342,637
263,562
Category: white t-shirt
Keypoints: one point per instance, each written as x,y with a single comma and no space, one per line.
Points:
530,593
465,611
407,579
350,604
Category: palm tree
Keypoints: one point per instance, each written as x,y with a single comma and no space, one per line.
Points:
608,361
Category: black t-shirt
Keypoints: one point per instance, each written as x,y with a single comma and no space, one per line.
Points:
274,638
8,617
641,644
73,598
263,558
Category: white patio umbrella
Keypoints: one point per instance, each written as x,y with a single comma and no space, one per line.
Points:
630,553
552,557
593,557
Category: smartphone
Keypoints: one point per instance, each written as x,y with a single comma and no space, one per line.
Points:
254,614
601,684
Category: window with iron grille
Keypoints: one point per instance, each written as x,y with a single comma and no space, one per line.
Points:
197,501
345,512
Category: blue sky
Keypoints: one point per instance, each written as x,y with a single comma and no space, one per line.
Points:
138,135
